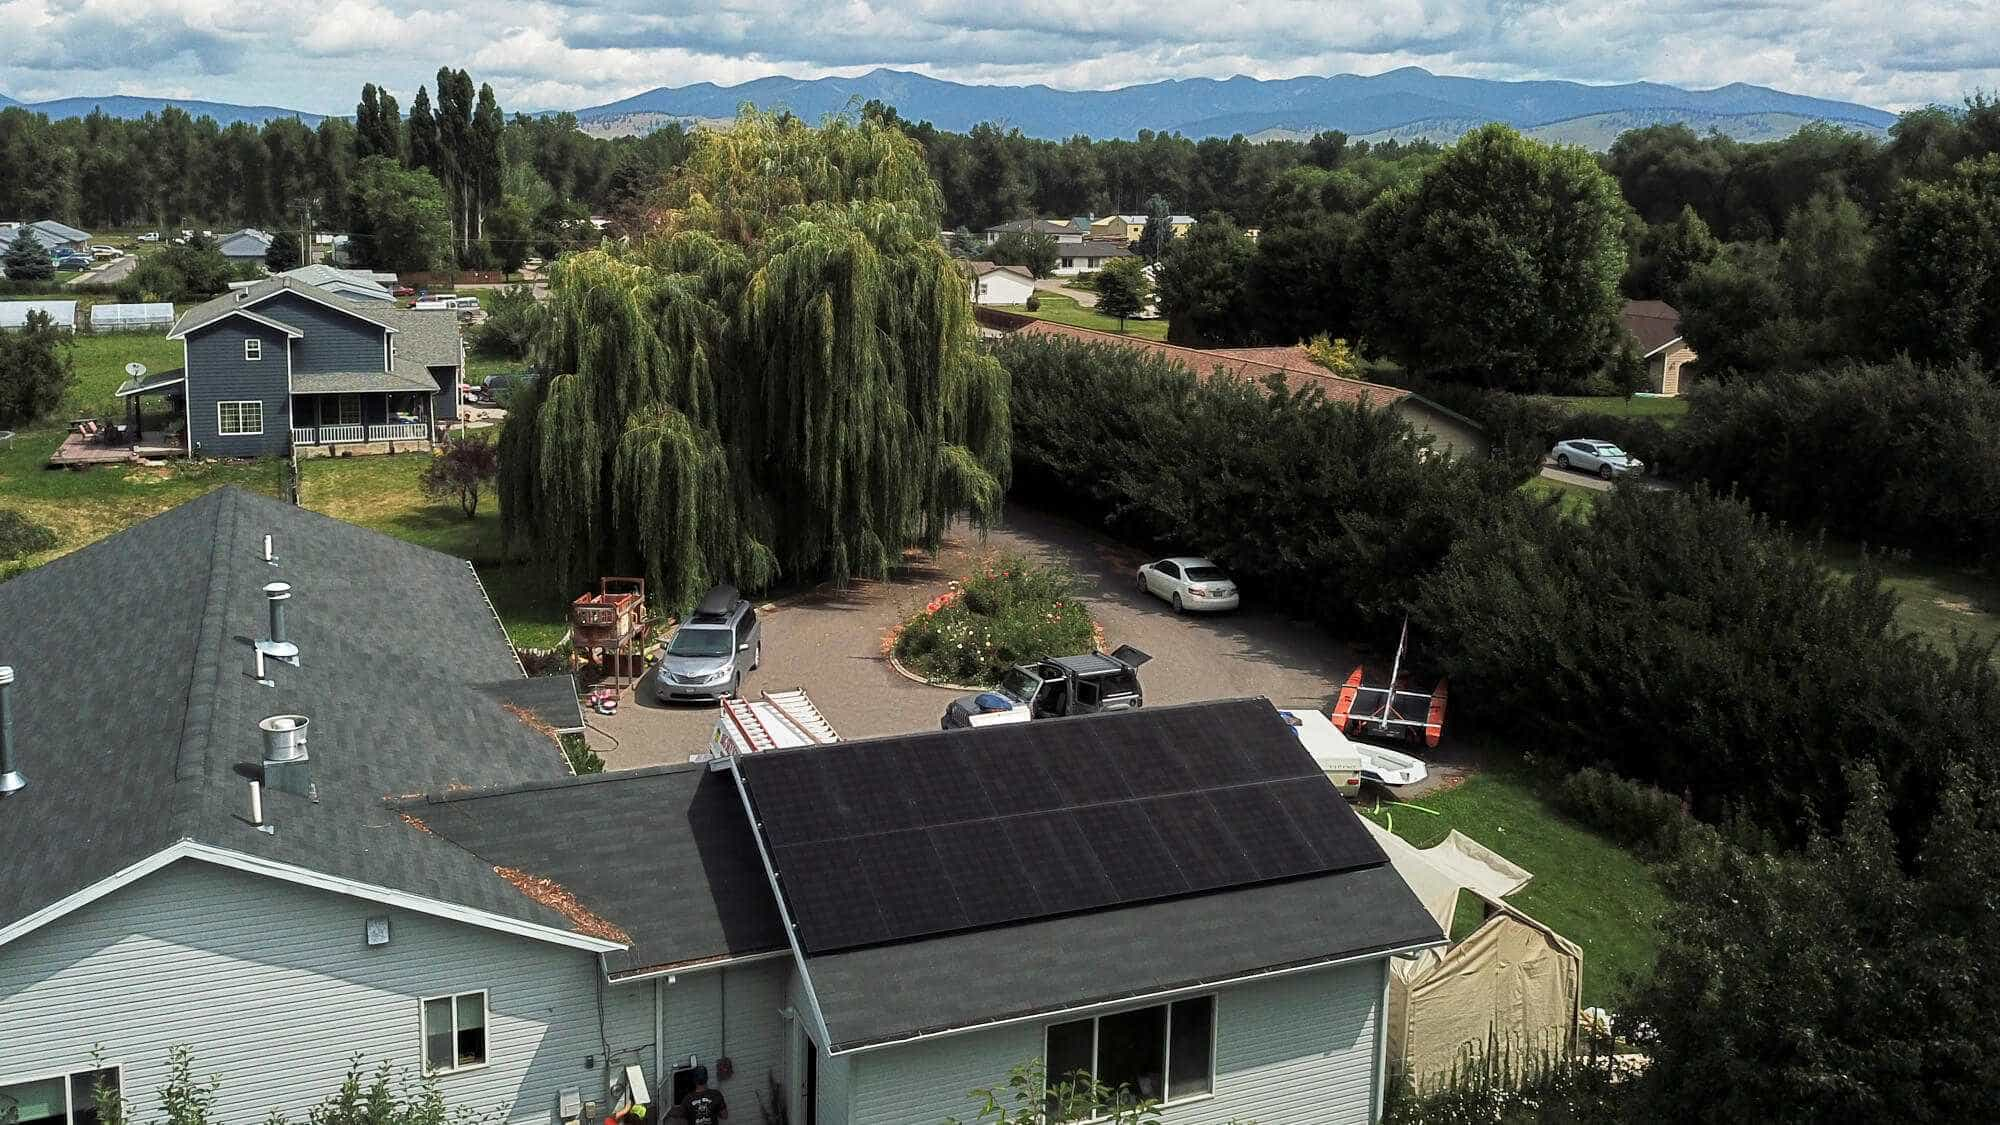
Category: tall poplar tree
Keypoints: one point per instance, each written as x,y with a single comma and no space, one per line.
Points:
779,374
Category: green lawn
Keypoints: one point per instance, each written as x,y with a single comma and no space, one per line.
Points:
1065,310
381,493
1936,601
1577,499
1667,412
1585,887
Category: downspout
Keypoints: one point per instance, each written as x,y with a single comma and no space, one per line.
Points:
660,1034
1379,1092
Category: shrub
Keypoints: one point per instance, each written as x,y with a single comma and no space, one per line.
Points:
459,469
20,536
1495,1088
1651,824
1888,454
36,370
1006,612
582,759
512,321
1034,303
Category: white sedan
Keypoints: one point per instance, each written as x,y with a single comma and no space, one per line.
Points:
1188,583
1589,455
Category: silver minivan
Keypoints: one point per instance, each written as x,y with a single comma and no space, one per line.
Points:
707,656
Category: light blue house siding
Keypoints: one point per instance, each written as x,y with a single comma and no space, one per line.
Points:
1296,1048
275,988
218,372
334,341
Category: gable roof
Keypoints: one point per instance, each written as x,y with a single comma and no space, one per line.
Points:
424,337
1074,861
62,231
1096,248
216,308
148,756
177,332
667,863
1655,324
1032,226
975,268
250,237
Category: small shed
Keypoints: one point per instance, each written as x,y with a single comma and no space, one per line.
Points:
14,314
131,317
998,285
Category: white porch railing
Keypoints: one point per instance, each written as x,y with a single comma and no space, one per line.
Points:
400,431
307,436
343,433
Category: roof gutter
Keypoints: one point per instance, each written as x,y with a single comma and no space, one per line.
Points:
824,1038
1145,997
699,966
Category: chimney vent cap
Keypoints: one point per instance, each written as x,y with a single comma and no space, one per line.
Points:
6,674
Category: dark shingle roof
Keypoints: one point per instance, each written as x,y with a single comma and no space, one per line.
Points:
216,308
893,992
354,382
427,337
1654,324
135,716
664,856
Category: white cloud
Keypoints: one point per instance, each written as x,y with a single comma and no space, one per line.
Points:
545,53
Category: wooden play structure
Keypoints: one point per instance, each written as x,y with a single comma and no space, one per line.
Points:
608,628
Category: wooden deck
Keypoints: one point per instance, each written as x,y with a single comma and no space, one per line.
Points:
80,452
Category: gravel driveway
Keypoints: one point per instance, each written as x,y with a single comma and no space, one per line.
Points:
829,642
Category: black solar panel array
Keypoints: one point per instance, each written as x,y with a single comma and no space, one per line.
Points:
909,837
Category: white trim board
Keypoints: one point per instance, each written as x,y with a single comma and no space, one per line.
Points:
182,333
237,861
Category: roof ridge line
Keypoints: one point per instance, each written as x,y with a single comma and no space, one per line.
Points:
198,716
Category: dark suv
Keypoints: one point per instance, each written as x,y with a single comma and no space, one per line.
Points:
711,650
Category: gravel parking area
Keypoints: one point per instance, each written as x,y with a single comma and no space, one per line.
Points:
830,643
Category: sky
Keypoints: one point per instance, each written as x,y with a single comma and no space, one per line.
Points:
537,54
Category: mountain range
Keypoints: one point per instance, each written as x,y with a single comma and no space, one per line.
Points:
1409,103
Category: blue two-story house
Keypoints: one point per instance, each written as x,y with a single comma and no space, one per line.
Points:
283,365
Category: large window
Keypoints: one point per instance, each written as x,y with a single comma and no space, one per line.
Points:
347,410
246,417
57,1099
1165,1053
454,1032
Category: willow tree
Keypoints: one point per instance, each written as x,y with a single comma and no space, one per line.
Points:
778,376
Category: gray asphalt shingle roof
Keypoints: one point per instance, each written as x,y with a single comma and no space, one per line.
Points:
355,382
423,339
216,308
135,716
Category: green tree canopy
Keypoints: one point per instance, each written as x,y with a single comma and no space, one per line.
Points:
1938,266
1204,283
1500,266
1123,289
400,217
1158,233
284,252
27,259
36,370
1035,251
780,376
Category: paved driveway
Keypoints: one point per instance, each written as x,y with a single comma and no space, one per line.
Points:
111,273
830,643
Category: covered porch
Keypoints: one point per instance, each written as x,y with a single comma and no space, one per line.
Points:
368,409
143,434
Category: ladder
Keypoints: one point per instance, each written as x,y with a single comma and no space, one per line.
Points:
797,706
743,715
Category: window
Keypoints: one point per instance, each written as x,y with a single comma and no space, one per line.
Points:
1165,1052
61,1099
1171,570
347,410
253,350
245,417
454,1032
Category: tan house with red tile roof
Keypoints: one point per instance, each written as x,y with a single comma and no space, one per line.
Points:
1656,325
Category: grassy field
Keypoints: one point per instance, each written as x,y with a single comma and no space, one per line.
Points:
1667,412
1585,887
381,493
1577,500
1065,310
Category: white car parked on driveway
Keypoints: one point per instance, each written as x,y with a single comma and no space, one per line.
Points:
1188,583
1589,455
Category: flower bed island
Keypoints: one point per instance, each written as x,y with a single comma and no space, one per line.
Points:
1006,611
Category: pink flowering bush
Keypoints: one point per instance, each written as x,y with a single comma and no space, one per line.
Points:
1006,611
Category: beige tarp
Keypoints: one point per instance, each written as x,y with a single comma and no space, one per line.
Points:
1513,981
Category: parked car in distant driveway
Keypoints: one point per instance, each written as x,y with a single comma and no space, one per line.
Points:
106,252
70,260
150,236
1188,583
1589,455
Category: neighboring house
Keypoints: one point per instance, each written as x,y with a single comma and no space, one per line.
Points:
1088,255
1450,431
1061,232
246,245
998,285
1128,228
282,365
1174,898
360,285
14,314
51,234
1656,325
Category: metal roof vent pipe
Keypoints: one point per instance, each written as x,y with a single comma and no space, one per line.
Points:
11,781
287,766
279,647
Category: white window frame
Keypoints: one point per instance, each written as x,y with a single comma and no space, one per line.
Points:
253,349
1166,1047
239,404
424,1039
68,1076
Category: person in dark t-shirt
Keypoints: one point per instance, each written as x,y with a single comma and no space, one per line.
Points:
702,1106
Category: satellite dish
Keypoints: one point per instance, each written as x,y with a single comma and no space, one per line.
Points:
135,369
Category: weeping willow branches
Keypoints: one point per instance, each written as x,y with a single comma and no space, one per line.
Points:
781,377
